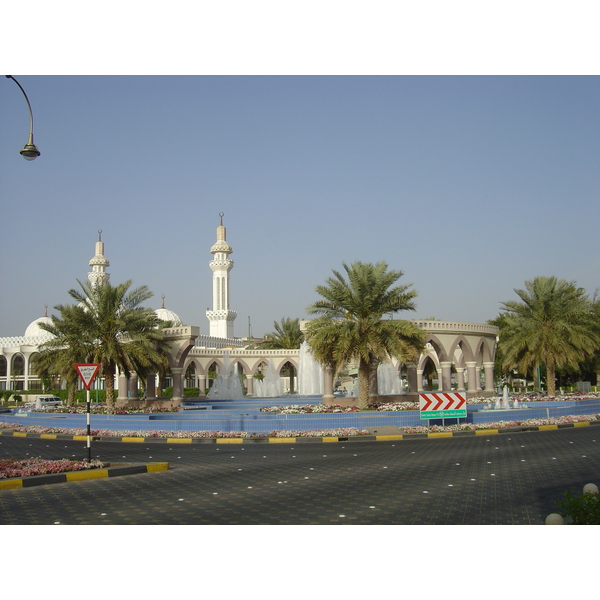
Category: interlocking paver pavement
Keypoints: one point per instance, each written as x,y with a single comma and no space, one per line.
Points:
495,479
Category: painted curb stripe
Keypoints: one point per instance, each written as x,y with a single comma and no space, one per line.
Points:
11,484
157,467
378,438
83,475
26,482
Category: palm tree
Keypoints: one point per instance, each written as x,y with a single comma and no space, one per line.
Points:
68,348
109,327
351,327
287,335
554,325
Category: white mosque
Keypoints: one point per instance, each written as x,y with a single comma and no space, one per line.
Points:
461,354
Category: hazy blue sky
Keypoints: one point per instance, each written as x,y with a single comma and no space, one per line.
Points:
470,185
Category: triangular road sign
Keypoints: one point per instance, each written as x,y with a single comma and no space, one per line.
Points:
87,374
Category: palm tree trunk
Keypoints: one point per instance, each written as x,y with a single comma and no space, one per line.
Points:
550,378
364,372
70,395
109,381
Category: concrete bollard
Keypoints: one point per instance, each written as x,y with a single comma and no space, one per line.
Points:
554,519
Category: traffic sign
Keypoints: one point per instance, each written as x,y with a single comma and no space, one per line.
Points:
87,373
443,405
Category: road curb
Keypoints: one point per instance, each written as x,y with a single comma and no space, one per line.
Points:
300,439
17,483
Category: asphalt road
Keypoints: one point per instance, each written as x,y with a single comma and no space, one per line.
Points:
509,479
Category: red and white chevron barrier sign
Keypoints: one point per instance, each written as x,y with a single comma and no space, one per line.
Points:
443,405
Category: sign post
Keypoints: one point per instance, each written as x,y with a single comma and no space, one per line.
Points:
88,373
443,405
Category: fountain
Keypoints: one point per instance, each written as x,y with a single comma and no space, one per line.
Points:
270,386
310,374
227,385
388,381
504,402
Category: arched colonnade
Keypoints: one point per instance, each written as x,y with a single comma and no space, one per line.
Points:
461,354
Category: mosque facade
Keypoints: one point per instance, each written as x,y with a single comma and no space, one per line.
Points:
460,354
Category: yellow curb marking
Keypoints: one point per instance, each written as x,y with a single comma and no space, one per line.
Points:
179,440
440,434
582,424
81,438
132,439
83,475
48,436
157,467
14,484
383,438
485,431
330,439
545,427
19,434
229,440
283,440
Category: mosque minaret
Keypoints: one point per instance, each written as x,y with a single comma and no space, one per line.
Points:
98,274
220,317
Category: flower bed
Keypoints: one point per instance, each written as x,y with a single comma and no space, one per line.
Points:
13,467
338,432
307,409
501,424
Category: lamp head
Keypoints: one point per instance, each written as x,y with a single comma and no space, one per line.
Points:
30,152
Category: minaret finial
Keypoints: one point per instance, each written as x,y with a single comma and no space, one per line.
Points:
45,310
99,235
221,215
163,301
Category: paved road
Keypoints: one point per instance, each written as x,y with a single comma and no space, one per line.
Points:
497,479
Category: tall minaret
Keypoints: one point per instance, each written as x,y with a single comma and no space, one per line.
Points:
98,274
220,317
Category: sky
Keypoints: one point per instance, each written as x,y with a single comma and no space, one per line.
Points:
469,185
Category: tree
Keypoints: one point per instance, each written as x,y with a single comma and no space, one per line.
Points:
351,327
68,348
287,335
108,326
554,325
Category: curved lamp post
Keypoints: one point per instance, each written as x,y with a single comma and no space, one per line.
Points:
30,151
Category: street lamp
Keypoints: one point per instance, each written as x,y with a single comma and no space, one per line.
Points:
30,151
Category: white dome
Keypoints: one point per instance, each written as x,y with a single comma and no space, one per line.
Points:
34,329
165,314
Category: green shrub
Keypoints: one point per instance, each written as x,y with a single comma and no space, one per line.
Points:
584,510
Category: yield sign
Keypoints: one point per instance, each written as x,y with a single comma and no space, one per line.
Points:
442,405
87,374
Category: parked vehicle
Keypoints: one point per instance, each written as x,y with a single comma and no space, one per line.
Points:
43,402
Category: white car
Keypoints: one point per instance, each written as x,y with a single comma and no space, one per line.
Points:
44,402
